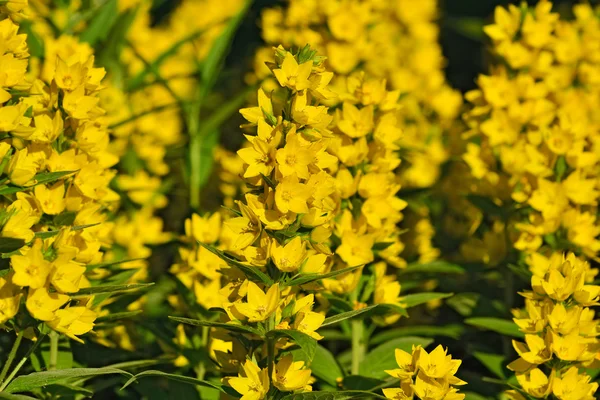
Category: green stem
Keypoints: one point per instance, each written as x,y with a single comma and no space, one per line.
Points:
11,356
201,370
22,362
271,357
358,344
53,362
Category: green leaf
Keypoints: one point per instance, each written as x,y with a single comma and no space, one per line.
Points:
118,279
8,245
35,44
112,289
341,395
110,264
413,300
174,377
486,205
346,315
101,24
118,316
307,278
475,396
434,267
229,327
307,344
212,64
325,367
453,331
65,218
470,27
8,396
357,382
383,357
251,273
502,326
27,383
203,152
47,177
387,308
493,362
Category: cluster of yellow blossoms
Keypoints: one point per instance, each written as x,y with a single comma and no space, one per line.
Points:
534,127
560,330
392,40
55,183
395,44
429,376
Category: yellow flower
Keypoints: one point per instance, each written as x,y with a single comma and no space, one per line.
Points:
292,75
288,258
73,321
42,305
573,386
407,363
31,269
10,298
308,322
291,195
356,249
535,382
295,157
252,382
51,198
438,364
259,305
289,375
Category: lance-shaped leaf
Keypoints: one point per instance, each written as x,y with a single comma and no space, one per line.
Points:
251,273
173,377
118,316
416,299
346,315
226,326
112,289
325,366
36,380
303,279
434,267
499,325
342,395
307,344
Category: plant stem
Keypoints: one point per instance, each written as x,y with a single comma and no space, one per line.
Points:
11,356
358,344
22,362
53,362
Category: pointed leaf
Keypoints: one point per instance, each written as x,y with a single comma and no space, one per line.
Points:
307,278
251,273
434,267
27,383
305,342
412,300
125,288
499,325
341,395
174,377
493,362
346,315
229,327
325,366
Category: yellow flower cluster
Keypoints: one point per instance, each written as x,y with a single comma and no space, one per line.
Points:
56,176
393,40
534,127
560,330
428,376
